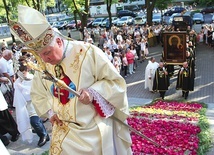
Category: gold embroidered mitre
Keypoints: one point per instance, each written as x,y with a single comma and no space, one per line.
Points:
32,28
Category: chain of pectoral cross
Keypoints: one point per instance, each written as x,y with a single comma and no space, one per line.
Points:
58,88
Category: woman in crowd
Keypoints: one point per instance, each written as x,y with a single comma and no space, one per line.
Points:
130,58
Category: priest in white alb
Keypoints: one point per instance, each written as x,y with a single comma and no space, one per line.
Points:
150,73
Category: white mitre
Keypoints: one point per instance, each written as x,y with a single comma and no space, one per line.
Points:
32,28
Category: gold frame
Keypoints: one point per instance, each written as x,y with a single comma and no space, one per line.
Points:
174,47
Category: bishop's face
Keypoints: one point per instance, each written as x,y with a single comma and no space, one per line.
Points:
53,54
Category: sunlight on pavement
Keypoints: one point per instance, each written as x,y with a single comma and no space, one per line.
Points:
135,83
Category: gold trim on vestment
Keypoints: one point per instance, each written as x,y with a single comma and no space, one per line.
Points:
60,132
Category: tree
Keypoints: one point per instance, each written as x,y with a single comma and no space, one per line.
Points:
108,7
9,8
150,4
58,4
161,5
205,2
81,8
50,4
7,15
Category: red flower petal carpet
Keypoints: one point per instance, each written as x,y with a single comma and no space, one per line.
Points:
180,128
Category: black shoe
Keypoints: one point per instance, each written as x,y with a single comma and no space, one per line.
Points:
43,140
15,137
5,140
45,120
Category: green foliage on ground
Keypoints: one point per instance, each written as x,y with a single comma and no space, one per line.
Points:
44,153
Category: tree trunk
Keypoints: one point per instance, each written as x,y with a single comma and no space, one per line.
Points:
83,15
52,10
7,16
38,5
34,4
149,17
75,18
109,2
84,20
162,17
48,8
150,4
58,5
27,3
109,12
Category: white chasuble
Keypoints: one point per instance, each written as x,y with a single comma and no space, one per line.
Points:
84,131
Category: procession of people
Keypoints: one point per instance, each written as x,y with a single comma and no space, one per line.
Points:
89,67
131,44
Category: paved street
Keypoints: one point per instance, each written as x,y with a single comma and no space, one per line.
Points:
203,91
137,95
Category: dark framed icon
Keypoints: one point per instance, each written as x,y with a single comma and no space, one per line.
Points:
174,48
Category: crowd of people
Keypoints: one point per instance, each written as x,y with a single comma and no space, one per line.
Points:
206,34
127,46
87,68
118,41
15,97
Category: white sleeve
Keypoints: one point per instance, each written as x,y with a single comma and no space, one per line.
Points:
3,68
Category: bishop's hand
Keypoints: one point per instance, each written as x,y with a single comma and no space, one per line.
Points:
85,96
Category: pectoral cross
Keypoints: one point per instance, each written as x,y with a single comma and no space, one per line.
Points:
161,74
185,74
